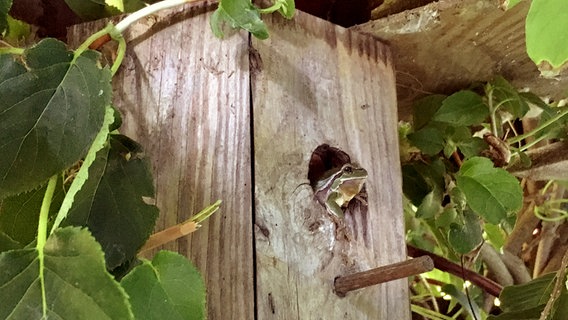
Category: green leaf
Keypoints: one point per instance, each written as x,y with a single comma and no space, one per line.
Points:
125,5
414,186
533,99
7,243
527,301
9,68
458,199
461,138
495,235
430,206
167,287
463,300
111,202
508,97
558,128
77,285
471,147
17,32
420,178
5,6
82,174
49,114
428,139
492,193
91,9
19,213
463,108
546,36
467,236
238,14
424,109
447,217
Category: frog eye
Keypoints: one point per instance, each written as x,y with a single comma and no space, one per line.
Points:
348,169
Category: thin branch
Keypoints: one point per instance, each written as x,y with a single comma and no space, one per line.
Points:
446,265
496,265
560,280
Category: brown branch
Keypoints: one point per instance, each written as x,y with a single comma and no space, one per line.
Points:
446,265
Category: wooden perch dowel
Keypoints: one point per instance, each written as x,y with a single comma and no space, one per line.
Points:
378,275
168,235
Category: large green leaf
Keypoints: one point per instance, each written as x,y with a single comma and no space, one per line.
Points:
546,36
96,9
19,213
491,192
7,243
463,108
111,202
167,287
77,285
49,114
90,9
424,108
428,139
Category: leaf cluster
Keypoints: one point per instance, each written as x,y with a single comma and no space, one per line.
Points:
75,199
527,301
455,180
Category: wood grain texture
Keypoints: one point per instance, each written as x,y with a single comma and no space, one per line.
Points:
314,83
449,44
184,95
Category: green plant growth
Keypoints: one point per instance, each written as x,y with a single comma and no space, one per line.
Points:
459,193
75,194
545,34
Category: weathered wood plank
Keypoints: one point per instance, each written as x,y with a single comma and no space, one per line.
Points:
447,45
316,83
184,95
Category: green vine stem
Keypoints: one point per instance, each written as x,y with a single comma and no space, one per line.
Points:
83,173
120,52
42,235
492,110
12,50
548,208
550,121
135,16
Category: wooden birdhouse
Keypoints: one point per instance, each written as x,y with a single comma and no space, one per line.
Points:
238,119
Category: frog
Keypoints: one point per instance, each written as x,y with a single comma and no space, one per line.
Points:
339,186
